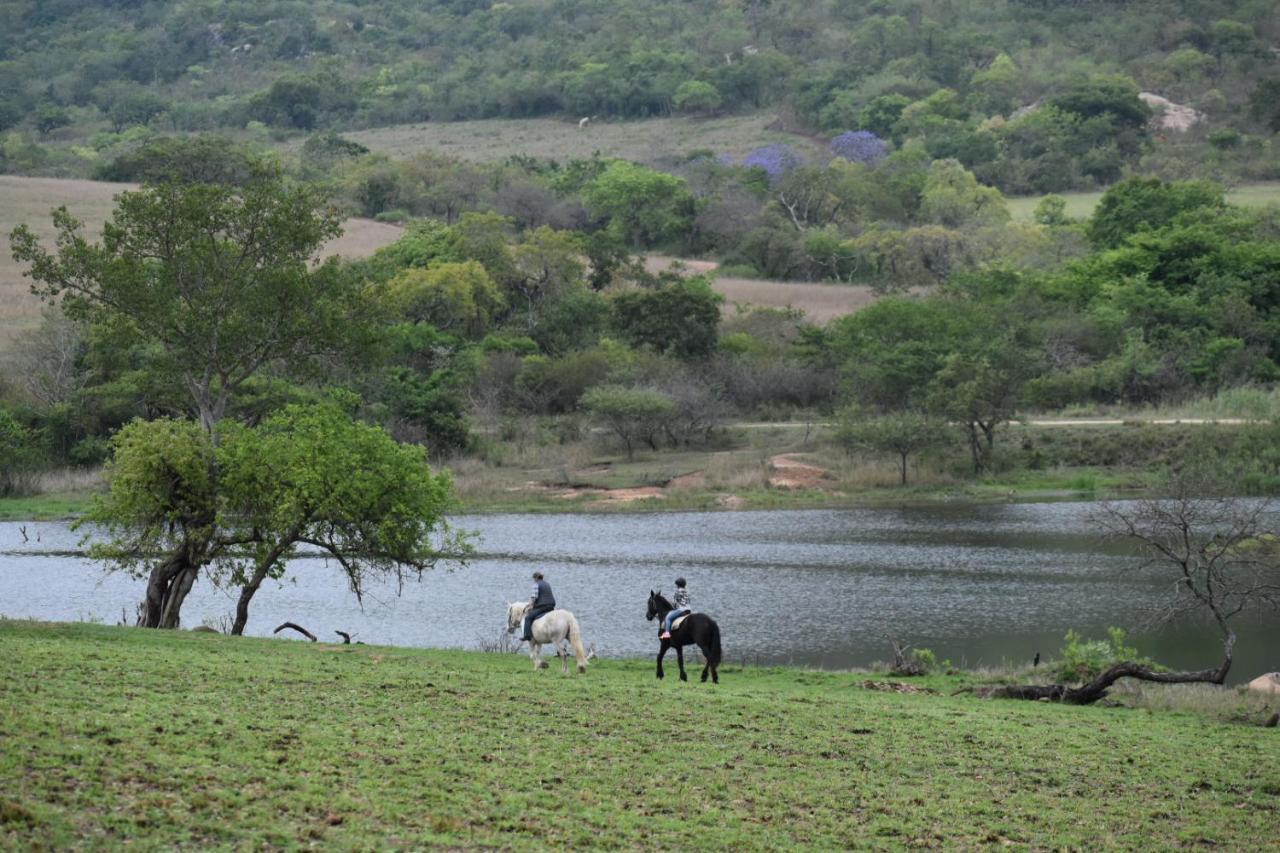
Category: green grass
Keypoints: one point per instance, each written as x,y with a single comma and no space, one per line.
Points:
45,507
117,736
1081,205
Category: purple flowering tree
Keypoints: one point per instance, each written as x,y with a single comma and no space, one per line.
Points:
776,159
859,146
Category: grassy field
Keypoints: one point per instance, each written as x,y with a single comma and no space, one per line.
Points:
119,736
1081,205
645,141
30,200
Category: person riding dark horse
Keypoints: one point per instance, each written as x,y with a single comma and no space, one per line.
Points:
541,603
697,629
681,607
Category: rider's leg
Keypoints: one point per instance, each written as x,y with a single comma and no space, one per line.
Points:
666,626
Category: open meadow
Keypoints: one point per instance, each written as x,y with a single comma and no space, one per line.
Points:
1080,205
118,736
641,140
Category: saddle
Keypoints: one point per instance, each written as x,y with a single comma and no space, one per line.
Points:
680,621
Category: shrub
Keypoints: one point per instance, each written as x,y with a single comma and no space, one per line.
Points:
1081,659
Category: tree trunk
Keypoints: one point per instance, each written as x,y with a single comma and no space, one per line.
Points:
242,604
975,448
1087,694
167,588
169,583
904,468
171,615
259,575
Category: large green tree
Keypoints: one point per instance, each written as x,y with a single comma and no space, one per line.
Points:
220,281
222,278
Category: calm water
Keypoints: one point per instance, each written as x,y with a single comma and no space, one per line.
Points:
977,584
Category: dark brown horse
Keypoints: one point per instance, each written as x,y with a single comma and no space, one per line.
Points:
698,629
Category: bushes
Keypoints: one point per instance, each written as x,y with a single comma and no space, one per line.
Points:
1081,659
21,457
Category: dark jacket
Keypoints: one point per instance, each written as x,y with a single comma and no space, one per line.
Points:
542,598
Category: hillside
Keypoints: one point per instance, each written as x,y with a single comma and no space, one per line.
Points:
1019,90
121,736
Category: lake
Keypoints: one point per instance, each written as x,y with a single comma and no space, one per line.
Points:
977,584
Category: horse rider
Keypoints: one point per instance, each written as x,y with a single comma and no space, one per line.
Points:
680,608
541,603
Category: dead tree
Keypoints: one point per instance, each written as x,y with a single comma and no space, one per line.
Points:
1220,556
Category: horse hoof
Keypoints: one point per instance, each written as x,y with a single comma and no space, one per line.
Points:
582,670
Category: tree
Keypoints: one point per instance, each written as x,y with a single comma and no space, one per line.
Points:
220,277
19,456
979,387
311,476
900,433
308,475
644,206
680,318
1218,552
859,146
547,266
1148,204
953,197
632,414
697,96
159,514
449,296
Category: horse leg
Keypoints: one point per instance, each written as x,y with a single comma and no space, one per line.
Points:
680,659
706,663
662,650
562,652
535,655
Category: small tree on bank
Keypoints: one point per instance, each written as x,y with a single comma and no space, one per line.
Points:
1220,555
307,476
901,433
632,414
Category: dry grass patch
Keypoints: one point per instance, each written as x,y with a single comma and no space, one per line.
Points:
821,302
644,141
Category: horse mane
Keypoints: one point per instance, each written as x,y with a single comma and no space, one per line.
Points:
663,599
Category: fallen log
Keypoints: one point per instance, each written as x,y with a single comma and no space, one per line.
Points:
296,627
346,638
1087,694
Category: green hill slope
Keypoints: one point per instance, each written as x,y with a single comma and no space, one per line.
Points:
116,736
950,71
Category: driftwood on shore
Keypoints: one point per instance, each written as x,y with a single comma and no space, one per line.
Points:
296,627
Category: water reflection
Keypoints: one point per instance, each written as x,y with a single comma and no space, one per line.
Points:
978,584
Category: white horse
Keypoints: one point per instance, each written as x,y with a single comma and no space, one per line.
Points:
554,628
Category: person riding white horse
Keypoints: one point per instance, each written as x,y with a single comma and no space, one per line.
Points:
543,624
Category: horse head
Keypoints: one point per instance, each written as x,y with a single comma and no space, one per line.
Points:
656,605
515,614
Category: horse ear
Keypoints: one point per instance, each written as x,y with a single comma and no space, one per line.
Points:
652,593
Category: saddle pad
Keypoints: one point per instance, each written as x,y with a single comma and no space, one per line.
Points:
676,624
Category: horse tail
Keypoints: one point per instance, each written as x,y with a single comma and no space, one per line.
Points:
575,637
714,657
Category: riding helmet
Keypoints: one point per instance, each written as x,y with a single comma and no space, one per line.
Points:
679,581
